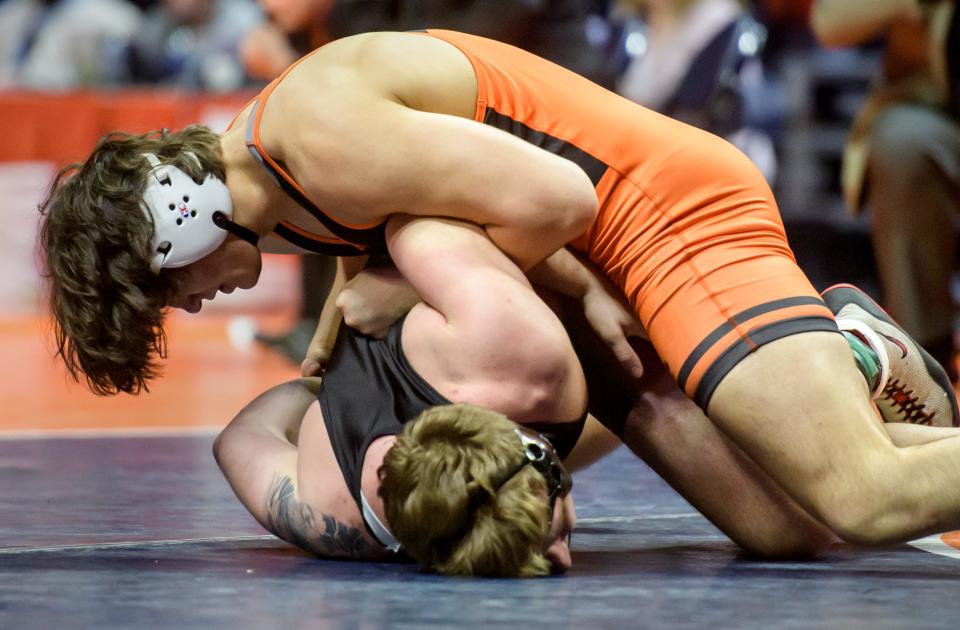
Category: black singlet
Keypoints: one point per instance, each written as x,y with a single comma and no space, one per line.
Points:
370,390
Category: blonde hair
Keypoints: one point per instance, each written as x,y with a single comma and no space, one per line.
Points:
451,501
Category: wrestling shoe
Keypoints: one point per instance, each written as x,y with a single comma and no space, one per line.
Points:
911,385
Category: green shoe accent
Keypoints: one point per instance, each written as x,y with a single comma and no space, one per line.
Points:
866,358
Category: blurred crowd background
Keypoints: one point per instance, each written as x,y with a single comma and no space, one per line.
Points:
846,106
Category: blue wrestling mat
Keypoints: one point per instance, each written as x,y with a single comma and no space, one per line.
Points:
143,532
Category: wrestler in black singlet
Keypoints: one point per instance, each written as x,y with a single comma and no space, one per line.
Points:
370,390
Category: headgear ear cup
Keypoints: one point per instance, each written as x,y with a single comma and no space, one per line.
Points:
190,220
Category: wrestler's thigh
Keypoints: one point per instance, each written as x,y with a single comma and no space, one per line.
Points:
799,408
674,437
703,257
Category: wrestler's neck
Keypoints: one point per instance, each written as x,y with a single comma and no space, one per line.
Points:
258,203
369,479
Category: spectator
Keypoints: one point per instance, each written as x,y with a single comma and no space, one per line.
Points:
193,44
902,159
62,44
698,61
555,29
295,27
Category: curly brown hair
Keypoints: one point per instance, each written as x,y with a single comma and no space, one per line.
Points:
95,240
455,500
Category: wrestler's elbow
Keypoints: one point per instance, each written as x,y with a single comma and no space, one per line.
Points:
574,201
219,446
559,208
226,446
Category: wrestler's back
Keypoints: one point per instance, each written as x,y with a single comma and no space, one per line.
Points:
434,74
472,78
420,72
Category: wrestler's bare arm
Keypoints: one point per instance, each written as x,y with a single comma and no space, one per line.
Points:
375,299
482,336
605,307
298,523
258,455
326,333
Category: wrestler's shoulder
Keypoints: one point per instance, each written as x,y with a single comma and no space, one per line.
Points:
371,55
422,72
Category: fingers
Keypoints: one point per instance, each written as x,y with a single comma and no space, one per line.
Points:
317,356
311,367
626,355
315,362
633,328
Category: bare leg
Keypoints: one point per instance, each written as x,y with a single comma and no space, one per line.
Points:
674,437
595,441
904,434
800,409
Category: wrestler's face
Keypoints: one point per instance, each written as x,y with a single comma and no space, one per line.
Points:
558,540
234,265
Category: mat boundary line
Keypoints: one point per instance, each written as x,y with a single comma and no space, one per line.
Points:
106,433
120,544
7,551
632,518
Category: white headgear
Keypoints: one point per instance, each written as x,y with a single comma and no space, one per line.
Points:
185,214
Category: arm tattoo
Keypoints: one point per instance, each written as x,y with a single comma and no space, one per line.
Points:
296,523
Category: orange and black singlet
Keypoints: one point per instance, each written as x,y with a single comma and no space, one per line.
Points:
687,227
348,240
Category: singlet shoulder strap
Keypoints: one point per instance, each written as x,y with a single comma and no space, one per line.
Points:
290,232
239,113
361,237
315,244
376,526
348,235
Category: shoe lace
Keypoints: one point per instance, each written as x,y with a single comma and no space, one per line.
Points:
909,406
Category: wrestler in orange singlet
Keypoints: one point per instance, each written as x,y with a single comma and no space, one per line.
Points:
450,125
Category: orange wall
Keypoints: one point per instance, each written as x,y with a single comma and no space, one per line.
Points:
64,127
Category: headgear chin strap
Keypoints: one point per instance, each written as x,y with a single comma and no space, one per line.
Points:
190,220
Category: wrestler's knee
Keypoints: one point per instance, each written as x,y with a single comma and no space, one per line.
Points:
866,509
857,524
802,543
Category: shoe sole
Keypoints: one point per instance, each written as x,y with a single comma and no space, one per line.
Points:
847,294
